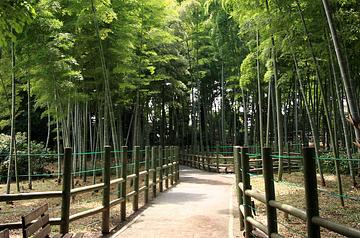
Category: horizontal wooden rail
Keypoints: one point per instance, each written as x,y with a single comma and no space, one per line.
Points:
86,213
28,196
257,224
256,194
87,188
143,173
18,225
142,188
296,212
310,216
117,181
336,227
169,167
131,176
116,201
131,194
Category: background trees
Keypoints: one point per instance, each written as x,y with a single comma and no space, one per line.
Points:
191,72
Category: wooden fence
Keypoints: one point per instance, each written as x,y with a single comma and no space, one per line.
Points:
162,163
245,193
218,161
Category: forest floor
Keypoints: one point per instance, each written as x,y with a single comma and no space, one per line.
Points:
290,191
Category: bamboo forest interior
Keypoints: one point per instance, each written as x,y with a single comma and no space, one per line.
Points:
179,118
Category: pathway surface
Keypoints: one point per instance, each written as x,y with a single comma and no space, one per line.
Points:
200,206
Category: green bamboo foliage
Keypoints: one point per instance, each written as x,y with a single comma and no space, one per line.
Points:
191,72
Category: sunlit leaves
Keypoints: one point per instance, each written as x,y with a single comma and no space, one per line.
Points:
248,70
14,15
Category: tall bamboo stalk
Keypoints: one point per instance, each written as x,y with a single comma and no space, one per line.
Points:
311,120
343,122
259,90
12,122
29,133
353,107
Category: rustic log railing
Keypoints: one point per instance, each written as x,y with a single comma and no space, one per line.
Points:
166,170
217,161
311,216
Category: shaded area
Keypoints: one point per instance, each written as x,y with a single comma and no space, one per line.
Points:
191,179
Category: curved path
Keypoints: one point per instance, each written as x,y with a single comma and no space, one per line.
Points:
200,206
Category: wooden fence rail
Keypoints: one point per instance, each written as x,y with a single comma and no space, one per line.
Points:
218,162
166,170
245,193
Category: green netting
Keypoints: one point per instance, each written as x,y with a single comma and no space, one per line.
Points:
287,156
25,154
221,146
39,175
224,152
340,195
253,155
255,175
334,194
117,166
249,206
91,170
89,153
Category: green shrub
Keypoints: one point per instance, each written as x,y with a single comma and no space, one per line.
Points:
38,161
329,165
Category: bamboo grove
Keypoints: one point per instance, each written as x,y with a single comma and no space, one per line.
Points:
89,73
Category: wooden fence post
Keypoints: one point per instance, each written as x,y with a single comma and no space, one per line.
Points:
268,173
198,160
147,160
105,225
311,195
289,158
185,156
124,158
203,160
154,167
192,159
246,185
175,162
171,161
208,161
166,160
161,187
189,156
66,192
238,179
177,176
136,161
217,158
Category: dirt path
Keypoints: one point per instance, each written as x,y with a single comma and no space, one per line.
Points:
200,206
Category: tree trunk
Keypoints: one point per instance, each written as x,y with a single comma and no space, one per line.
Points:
353,108
29,133
311,121
259,91
13,135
